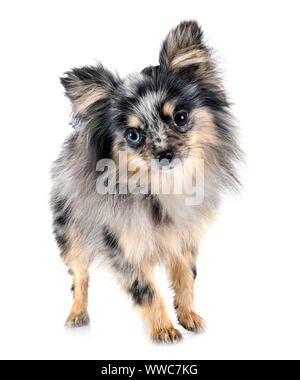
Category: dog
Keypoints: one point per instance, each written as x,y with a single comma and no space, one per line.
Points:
172,112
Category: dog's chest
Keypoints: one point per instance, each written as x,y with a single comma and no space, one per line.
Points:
161,232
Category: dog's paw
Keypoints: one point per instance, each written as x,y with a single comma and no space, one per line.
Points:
77,320
191,321
166,335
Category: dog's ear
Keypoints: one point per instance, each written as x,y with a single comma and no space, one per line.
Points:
184,51
88,85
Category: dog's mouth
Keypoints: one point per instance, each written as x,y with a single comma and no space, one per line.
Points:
165,164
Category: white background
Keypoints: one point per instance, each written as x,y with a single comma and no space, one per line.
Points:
248,283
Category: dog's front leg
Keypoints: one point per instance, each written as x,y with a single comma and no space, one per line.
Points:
147,298
137,277
79,314
182,274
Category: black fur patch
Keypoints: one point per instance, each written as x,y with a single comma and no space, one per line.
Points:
141,294
61,219
194,270
115,254
61,213
110,239
58,205
156,209
101,140
150,70
157,212
61,241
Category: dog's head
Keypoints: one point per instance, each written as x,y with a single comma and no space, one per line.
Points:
175,110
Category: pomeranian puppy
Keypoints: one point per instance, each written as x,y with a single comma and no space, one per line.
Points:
147,127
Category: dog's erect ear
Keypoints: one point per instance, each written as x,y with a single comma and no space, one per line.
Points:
88,85
183,50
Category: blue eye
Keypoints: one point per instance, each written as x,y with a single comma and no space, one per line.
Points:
133,136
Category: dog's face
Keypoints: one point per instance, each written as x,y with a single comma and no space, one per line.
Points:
160,114
166,112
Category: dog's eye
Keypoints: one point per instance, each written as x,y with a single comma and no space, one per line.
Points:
181,118
133,136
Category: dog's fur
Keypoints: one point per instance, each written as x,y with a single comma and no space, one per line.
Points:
133,233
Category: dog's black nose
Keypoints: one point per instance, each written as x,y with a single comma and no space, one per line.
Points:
165,157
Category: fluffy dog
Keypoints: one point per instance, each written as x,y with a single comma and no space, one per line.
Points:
177,110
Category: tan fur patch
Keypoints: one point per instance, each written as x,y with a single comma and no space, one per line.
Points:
78,315
134,122
135,247
182,281
190,320
202,139
89,96
155,314
188,57
168,108
203,134
135,164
